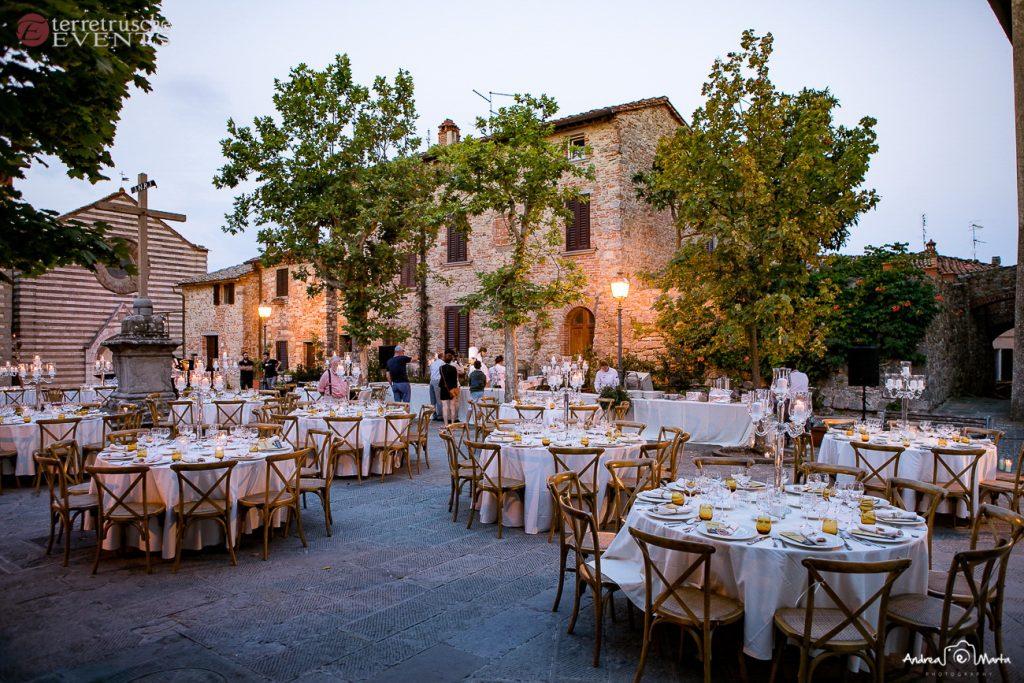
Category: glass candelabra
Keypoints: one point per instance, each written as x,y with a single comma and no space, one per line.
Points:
779,412
573,373
905,386
32,374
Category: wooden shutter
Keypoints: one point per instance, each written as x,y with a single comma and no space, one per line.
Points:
458,250
212,348
463,347
229,293
408,277
577,232
282,354
282,282
310,355
456,330
216,295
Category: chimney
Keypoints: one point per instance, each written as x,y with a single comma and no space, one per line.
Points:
447,133
930,247
997,260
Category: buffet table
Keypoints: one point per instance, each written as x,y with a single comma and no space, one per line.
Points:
720,424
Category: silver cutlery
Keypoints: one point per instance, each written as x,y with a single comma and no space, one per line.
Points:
758,540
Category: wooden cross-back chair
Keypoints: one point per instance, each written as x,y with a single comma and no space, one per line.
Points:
841,628
586,475
530,412
661,453
347,443
607,406
394,449
622,410
123,437
630,426
627,478
698,611
229,414
1012,486
201,502
53,430
265,430
182,415
491,478
289,427
803,451
419,436
461,472
65,506
566,485
14,397
103,393
378,392
116,507
53,394
962,479
896,491
876,476
318,472
678,437
723,461
281,492
585,415
996,435
832,471
483,414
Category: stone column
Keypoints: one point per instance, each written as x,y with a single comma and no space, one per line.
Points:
1017,22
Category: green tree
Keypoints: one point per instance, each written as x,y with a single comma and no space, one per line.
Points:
762,184
515,170
339,188
64,101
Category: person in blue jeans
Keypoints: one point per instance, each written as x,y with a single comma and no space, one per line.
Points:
398,375
477,381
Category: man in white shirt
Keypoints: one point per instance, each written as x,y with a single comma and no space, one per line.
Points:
605,377
435,388
483,363
497,376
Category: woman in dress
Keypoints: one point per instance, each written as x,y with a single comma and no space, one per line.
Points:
449,384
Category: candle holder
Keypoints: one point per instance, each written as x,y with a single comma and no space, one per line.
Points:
34,374
901,383
779,412
572,373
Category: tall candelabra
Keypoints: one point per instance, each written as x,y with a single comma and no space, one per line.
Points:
103,369
905,386
779,412
32,374
573,373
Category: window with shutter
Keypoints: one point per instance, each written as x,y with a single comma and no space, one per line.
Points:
457,245
408,276
309,355
229,293
456,330
282,354
216,295
282,282
577,232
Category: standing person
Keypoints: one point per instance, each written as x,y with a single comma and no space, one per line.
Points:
246,371
606,377
480,356
449,386
270,366
435,388
477,381
331,384
398,375
798,382
498,377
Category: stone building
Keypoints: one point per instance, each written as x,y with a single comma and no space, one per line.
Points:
222,315
64,314
612,233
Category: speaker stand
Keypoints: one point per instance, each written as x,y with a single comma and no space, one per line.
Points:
863,403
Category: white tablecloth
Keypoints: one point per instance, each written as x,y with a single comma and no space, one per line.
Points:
763,577
534,464
721,424
24,438
248,476
916,462
371,429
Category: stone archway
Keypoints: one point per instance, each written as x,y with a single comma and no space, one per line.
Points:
579,331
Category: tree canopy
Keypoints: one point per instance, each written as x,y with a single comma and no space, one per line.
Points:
64,101
761,184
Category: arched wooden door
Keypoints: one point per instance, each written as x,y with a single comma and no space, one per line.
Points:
580,331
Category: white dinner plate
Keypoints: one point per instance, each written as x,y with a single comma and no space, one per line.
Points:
671,517
831,543
743,533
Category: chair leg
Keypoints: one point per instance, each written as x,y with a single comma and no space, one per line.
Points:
472,509
648,627
179,536
298,523
228,540
426,455
67,542
501,506
598,625
326,498
706,655
54,516
266,534
561,576
99,546
780,648
997,633
145,538
575,605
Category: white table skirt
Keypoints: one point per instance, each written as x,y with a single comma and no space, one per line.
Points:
534,464
248,476
915,463
24,438
720,424
371,429
763,577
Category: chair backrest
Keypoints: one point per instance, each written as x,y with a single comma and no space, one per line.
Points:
281,485
378,392
345,431
587,474
629,478
14,397
670,589
267,429
396,430
803,451
832,470
484,455
182,414
423,418
459,432
1004,526
896,487
103,393
984,432
115,499
192,494
229,413
71,394
56,476
723,461
116,422
607,406
621,410
678,437
661,453
630,426
57,429
839,422
585,414
310,394
852,615
526,412
875,460
123,437
153,405
564,485
320,442
53,395
484,413
289,427
67,455
978,570
963,473
583,527
404,406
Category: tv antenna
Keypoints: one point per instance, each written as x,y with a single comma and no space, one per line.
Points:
489,98
975,227
924,231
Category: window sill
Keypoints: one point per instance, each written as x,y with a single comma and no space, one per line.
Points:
457,264
580,252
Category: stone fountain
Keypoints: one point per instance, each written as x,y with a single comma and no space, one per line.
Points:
142,356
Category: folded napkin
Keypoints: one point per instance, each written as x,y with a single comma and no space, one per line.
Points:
815,537
877,530
720,528
671,509
896,513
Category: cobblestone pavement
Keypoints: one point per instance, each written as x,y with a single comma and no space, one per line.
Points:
398,593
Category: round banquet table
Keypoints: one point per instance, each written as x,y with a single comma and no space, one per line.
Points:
916,462
720,424
24,438
248,476
531,462
765,576
210,410
371,430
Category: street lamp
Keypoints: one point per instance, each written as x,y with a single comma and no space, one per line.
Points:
620,290
264,311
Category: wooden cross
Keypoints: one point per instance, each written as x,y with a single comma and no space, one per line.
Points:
144,213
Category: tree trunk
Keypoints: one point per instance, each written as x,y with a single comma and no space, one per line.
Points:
755,357
364,362
511,363
1017,396
424,301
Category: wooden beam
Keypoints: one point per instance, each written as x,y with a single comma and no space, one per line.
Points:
136,211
